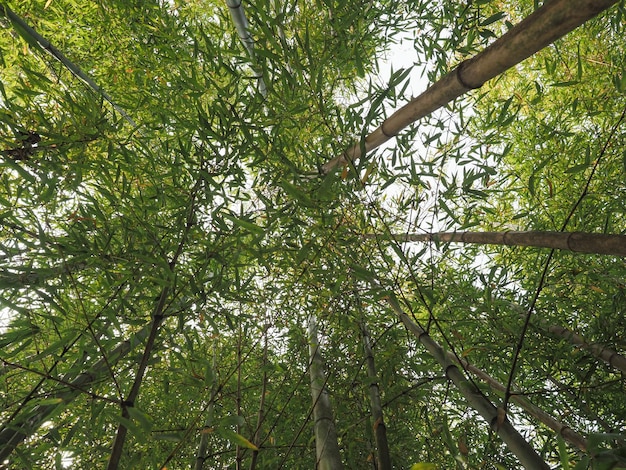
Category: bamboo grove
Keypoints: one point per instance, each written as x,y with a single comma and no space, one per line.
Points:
232,237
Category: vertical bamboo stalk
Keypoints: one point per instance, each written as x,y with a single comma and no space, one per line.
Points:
256,439
203,447
380,429
326,445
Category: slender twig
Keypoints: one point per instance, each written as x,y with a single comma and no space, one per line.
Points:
542,279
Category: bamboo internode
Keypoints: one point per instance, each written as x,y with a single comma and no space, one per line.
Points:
547,24
577,242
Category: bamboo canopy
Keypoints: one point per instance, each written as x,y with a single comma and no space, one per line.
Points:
553,20
578,242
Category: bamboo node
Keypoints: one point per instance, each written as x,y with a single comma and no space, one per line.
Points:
462,81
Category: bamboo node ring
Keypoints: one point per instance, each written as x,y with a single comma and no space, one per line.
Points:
382,129
459,77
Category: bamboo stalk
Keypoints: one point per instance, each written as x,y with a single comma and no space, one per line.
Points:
326,445
256,439
203,447
241,24
566,432
380,429
527,456
548,23
612,358
578,242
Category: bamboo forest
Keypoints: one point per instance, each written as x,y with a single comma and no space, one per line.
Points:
313,234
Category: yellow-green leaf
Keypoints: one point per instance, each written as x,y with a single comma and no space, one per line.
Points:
423,466
238,439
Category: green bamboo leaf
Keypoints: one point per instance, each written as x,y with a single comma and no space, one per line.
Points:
577,168
237,439
145,422
245,224
531,185
579,65
423,466
583,464
362,273
493,18
18,168
16,334
563,454
233,420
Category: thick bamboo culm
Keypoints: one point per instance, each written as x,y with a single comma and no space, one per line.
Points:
563,430
527,456
553,20
578,242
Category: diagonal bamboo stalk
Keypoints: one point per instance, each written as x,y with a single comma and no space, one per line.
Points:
567,433
578,242
548,23
527,456
256,438
609,356
34,38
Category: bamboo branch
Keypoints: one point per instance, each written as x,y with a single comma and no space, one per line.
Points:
548,23
578,242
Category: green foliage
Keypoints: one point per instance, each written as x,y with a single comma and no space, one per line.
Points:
199,209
